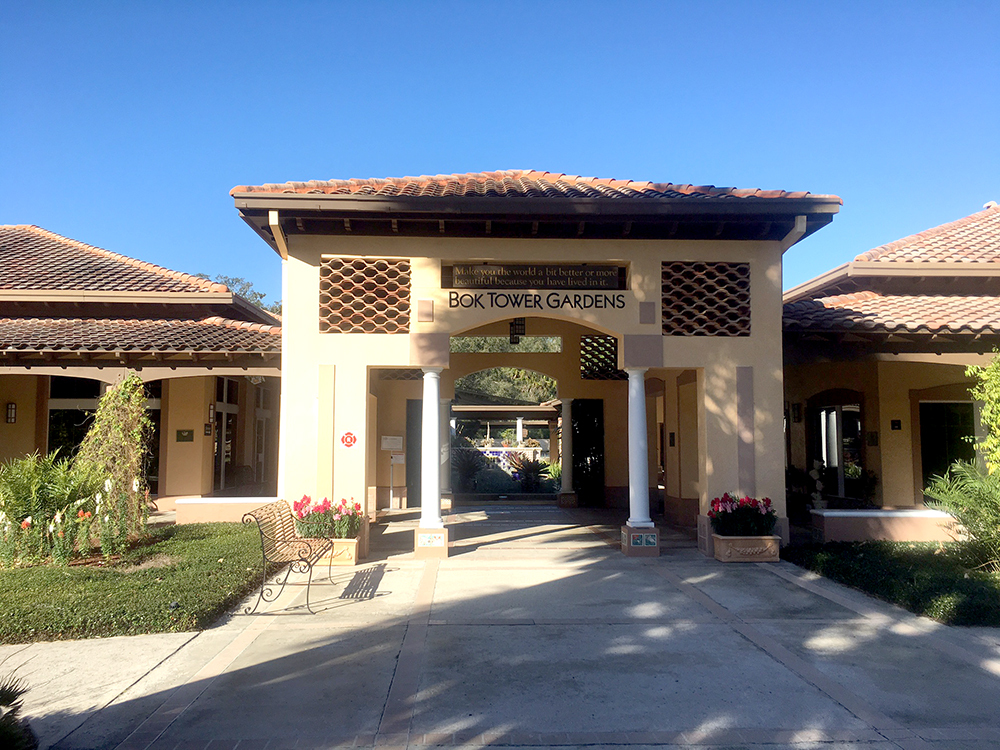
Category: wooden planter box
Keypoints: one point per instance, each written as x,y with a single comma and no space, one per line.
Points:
746,548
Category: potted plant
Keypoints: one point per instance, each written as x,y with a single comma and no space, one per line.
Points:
312,520
345,524
744,529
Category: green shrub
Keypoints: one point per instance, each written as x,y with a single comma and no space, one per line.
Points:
15,734
930,579
495,481
972,496
530,472
466,462
41,501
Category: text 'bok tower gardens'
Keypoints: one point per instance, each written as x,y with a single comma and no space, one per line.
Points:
666,300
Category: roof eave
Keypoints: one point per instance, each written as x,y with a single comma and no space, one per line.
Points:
810,288
819,209
124,296
482,207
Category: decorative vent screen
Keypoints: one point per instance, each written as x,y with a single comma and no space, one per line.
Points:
364,295
706,299
401,374
599,358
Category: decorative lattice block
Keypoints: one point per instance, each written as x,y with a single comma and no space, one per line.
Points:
599,358
706,299
401,374
364,295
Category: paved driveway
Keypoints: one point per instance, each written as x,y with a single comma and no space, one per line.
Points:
535,632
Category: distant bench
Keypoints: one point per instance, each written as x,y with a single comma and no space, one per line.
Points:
279,545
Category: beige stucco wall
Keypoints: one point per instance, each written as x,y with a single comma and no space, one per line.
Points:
891,389
19,439
187,468
325,376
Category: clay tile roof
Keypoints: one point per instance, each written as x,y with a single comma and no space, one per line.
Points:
513,183
974,239
212,334
35,258
889,313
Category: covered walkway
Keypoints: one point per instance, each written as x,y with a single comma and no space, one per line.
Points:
535,632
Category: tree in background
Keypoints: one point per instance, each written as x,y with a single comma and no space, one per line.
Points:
244,288
987,391
508,383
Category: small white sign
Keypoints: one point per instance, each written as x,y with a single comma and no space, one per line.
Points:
392,443
397,458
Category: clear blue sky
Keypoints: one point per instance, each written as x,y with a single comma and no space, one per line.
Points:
124,125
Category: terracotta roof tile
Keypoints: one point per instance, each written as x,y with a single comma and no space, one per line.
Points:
513,183
973,239
35,258
212,334
884,313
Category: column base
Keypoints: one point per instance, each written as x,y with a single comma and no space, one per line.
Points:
568,500
430,544
640,542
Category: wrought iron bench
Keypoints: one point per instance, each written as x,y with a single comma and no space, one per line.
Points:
280,544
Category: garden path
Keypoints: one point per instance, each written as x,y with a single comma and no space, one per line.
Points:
535,632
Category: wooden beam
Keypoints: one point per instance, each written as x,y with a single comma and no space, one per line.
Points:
440,226
489,227
720,227
628,229
674,226
347,225
395,226
579,228
534,228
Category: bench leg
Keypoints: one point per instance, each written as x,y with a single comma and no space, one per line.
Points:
309,568
270,591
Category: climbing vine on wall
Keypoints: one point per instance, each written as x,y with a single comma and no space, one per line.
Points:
115,449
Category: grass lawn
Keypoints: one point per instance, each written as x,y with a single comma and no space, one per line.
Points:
182,578
929,579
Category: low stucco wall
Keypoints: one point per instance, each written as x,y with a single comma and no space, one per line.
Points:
902,525
681,511
209,509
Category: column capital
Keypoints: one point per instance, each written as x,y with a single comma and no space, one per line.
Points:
636,370
432,370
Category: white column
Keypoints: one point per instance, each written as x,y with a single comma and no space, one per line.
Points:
445,442
520,430
638,460
430,451
566,445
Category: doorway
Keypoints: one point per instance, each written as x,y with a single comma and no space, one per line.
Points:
947,431
588,451
226,416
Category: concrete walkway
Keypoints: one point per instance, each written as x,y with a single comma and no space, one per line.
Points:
535,632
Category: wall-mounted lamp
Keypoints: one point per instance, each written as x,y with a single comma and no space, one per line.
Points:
516,330
211,413
11,413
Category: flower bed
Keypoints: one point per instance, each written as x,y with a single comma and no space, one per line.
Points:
744,529
732,515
